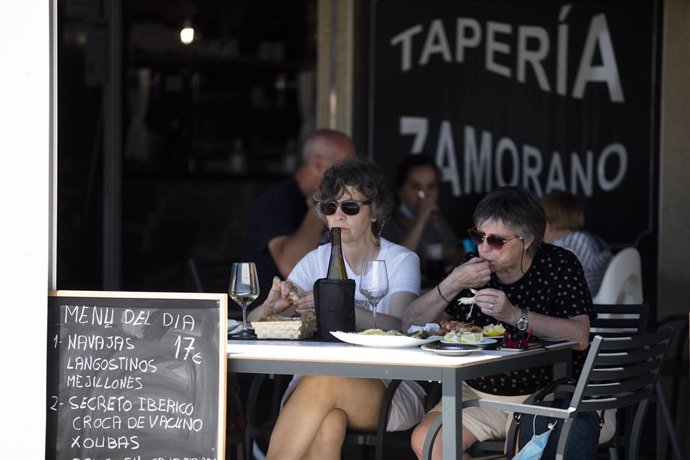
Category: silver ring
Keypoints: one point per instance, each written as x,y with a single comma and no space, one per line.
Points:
491,306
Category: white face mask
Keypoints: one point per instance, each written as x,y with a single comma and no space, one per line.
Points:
535,447
407,212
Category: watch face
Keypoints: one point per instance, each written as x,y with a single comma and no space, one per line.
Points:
522,322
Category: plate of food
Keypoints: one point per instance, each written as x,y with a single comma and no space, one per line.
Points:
378,338
467,339
495,331
450,349
454,331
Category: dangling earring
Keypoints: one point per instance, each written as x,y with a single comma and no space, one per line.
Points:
378,233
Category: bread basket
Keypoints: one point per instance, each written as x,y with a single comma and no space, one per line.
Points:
281,327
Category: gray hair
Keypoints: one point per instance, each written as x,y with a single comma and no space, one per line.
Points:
367,178
516,208
327,142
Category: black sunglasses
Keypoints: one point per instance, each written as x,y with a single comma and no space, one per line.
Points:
495,242
349,207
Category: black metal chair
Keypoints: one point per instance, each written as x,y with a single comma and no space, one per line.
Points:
262,408
619,320
676,370
384,444
618,373
235,421
615,320
633,319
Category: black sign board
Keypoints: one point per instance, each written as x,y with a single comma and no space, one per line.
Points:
547,95
138,376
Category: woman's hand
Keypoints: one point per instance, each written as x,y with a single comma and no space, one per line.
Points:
472,274
427,208
278,299
304,303
284,299
495,303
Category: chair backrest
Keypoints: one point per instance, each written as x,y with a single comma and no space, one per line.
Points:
622,282
619,372
622,372
616,320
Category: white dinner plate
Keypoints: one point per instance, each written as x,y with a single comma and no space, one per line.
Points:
382,341
485,342
451,349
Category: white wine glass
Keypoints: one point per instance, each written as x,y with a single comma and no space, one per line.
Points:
373,283
244,289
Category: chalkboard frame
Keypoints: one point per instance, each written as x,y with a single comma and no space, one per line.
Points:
222,303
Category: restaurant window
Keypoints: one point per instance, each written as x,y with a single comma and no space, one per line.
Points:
216,97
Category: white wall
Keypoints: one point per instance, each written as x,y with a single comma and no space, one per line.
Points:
24,226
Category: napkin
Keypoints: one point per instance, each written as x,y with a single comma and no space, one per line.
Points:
427,327
234,326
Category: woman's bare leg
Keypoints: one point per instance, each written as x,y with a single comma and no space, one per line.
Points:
314,398
421,430
329,441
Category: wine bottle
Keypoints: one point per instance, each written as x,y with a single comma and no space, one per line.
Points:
336,265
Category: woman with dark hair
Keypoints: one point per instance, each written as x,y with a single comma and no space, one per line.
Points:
523,284
355,197
417,222
319,409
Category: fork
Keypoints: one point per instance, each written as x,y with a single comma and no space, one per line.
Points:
469,315
470,301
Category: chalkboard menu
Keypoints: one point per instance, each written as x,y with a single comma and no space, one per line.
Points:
138,376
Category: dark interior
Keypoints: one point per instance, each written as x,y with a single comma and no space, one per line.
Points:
204,128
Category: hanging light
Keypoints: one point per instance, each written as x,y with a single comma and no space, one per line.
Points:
187,33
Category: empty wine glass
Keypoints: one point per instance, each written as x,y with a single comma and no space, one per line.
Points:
373,283
244,289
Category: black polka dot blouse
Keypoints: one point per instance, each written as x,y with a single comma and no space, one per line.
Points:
554,285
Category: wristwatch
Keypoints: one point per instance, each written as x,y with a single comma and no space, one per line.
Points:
522,322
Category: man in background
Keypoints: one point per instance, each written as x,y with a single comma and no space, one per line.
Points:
283,225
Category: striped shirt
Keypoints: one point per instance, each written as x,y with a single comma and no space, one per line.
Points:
593,253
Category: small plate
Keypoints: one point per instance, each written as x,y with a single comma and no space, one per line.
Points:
494,337
450,349
382,341
485,342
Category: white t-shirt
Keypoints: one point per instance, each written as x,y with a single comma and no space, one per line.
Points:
402,266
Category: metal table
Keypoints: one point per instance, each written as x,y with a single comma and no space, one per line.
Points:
341,359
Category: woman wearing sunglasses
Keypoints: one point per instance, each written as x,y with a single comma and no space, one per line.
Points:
521,282
354,196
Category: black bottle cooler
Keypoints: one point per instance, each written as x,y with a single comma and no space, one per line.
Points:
334,301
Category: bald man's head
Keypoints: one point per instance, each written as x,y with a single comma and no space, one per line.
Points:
330,145
323,149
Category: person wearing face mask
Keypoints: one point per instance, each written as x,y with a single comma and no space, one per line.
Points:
318,410
524,284
417,222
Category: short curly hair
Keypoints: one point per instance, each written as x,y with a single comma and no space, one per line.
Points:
367,178
516,208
